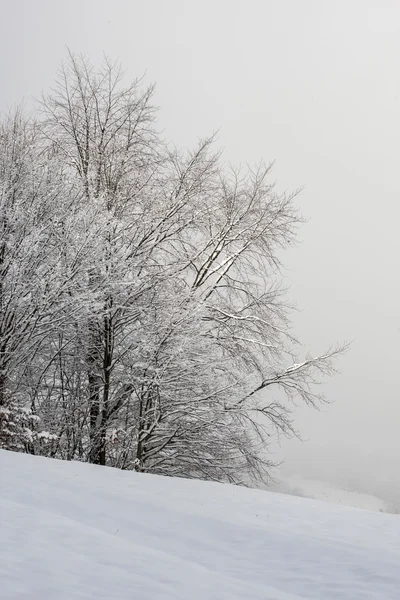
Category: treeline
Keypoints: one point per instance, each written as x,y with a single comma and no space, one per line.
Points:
142,320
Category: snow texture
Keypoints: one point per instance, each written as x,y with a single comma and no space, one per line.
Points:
70,531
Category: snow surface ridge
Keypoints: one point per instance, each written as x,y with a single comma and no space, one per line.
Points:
71,530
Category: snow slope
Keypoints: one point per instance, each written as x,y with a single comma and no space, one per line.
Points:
323,490
70,531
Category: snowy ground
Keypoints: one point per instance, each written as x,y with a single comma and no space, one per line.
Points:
70,531
323,490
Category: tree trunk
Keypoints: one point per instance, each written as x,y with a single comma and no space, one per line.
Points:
94,381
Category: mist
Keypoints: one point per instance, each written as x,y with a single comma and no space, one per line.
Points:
315,87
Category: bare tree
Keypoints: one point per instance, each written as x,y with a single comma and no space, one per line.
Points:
164,327
105,134
34,294
225,338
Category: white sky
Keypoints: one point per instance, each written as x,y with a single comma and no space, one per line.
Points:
315,85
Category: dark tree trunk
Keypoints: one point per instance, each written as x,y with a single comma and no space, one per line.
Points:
94,382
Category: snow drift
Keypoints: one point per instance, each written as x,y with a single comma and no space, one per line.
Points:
71,531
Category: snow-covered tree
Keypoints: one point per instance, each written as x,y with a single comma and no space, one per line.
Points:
35,285
143,320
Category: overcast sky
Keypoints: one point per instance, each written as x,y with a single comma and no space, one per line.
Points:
315,86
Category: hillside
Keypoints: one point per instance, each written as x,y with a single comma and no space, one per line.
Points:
72,531
322,490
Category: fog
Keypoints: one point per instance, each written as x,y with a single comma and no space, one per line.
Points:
314,86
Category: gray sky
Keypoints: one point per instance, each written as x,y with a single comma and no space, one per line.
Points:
315,85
